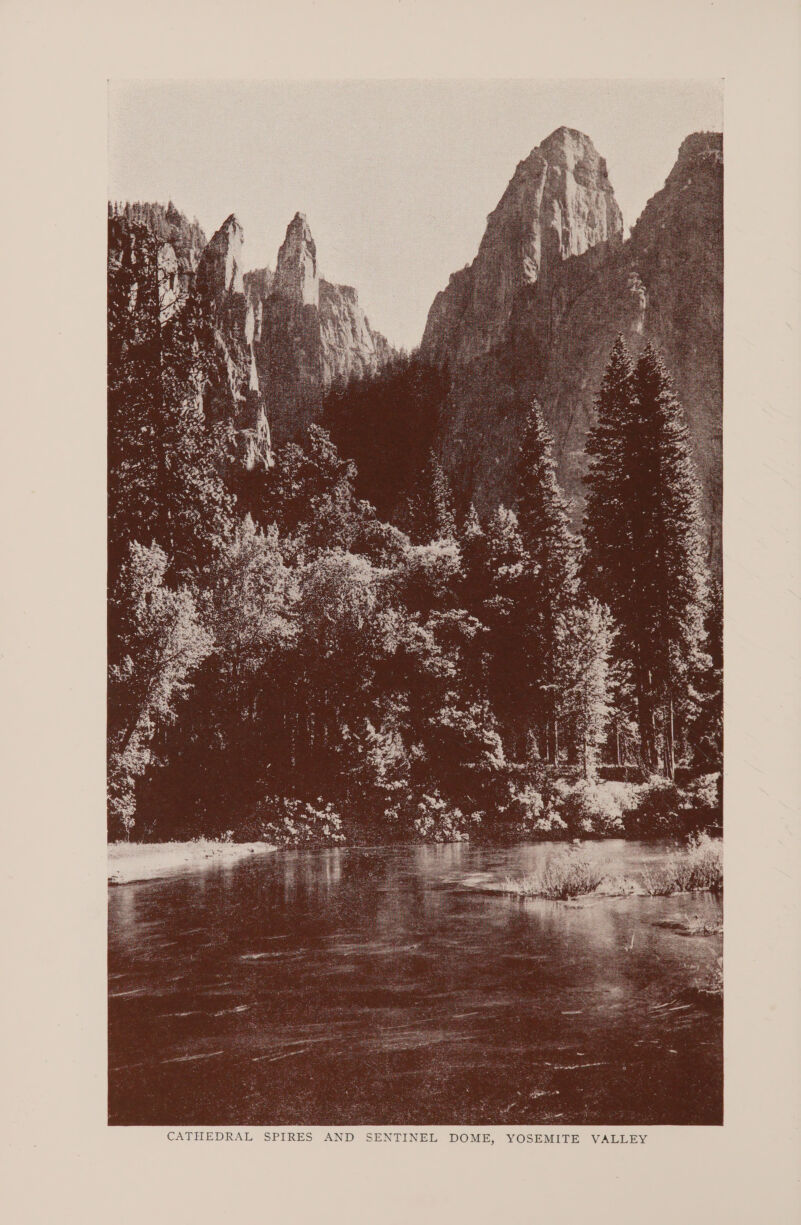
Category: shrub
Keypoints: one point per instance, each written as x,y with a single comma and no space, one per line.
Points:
562,876
435,820
706,857
593,807
699,867
525,806
655,812
295,823
550,825
702,797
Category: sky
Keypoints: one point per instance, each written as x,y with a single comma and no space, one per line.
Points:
396,177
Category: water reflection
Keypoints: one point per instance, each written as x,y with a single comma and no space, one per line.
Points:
370,985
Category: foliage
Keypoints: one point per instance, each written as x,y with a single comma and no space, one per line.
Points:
547,586
309,495
584,636
437,821
428,512
702,795
274,637
295,823
699,867
561,877
160,644
165,482
655,814
589,808
644,554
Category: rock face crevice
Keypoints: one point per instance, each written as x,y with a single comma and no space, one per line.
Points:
553,283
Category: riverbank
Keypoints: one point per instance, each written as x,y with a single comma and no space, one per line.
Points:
135,861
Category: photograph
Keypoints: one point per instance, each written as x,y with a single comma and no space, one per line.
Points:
415,603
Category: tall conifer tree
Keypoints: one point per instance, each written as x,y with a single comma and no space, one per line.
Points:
672,569
551,564
609,561
429,512
644,540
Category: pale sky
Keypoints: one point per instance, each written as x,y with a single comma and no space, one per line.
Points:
395,177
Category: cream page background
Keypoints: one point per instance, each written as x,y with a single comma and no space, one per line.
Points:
63,1164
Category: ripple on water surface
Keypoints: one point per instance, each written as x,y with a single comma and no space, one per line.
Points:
389,986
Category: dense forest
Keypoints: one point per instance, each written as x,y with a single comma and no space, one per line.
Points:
331,649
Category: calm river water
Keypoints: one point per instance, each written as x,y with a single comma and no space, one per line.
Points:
380,986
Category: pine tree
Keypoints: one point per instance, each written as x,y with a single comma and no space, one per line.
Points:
429,511
705,731
609,560
644,547
504,612
586,635
673,580
550,580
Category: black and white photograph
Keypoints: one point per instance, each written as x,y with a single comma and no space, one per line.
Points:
400,612
415,615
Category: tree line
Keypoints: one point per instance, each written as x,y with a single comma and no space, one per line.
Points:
279,648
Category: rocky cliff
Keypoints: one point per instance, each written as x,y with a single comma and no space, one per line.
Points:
171,270
309,333
278,339
558,204
551,286
236,393
181,243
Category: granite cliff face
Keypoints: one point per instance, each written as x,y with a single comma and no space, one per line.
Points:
553,283
278,340
236,394
172,271
309,333
558,204
181,243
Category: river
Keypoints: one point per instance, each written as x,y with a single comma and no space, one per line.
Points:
383,986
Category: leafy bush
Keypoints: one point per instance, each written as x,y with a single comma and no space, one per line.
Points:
699,867
437,821
702,797
593,808
527,816
655,813
562,876
295,823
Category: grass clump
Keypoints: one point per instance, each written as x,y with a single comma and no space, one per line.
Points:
561,877
699,867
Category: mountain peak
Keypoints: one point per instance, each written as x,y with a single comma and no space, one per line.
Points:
559,203
220,268
701,142
567,138
296,273
231,225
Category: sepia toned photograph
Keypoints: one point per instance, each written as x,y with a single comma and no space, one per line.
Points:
415,613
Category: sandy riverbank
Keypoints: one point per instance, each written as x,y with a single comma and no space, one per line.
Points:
134,861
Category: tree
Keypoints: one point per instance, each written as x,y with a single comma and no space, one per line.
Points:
609,562
429,512
586,700
644,540
672,570
550,573
165,459
161,643
309,494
